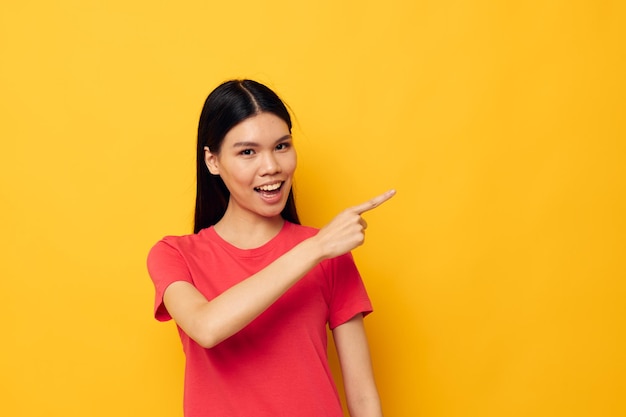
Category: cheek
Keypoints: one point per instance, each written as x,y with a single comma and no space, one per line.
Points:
238,174
290,163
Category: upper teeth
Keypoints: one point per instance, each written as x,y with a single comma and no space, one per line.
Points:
270,187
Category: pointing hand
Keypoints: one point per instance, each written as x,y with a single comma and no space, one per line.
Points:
347,230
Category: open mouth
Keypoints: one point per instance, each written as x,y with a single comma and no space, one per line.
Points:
269,188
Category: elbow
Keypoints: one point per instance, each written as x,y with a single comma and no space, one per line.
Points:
207,341
206,336
208,329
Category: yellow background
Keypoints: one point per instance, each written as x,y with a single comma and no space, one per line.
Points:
497,272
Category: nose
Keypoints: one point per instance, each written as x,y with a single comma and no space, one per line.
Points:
270,164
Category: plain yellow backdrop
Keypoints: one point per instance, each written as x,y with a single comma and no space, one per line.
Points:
497,272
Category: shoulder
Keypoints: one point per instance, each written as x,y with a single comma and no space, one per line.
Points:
175,241
179,244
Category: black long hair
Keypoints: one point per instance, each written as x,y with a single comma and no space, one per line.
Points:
229,104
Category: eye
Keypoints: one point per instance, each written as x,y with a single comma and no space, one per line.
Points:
247,152
283,146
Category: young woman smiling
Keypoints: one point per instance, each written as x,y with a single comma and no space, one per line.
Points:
252,290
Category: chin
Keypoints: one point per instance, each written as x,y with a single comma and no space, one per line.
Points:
274,212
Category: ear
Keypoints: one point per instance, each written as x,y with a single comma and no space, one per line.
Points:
210,160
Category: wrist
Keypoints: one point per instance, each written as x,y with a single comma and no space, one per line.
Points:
313,248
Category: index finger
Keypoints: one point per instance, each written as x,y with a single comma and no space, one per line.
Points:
374,202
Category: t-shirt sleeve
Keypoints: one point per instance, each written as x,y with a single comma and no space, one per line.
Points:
348,294
165,266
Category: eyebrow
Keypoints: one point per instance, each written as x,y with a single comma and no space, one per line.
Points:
249,144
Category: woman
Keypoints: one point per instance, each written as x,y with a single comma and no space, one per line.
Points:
252,291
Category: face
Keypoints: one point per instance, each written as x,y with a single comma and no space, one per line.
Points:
256,162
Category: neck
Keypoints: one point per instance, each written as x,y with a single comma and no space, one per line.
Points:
246,233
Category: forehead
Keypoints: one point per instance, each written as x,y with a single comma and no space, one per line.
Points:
263,128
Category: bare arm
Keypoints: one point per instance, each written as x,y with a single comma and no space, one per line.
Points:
356,368
209,323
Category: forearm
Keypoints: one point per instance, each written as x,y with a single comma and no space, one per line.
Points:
364,405
362,395
356,367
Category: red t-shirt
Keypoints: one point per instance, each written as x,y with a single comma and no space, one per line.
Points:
277,365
